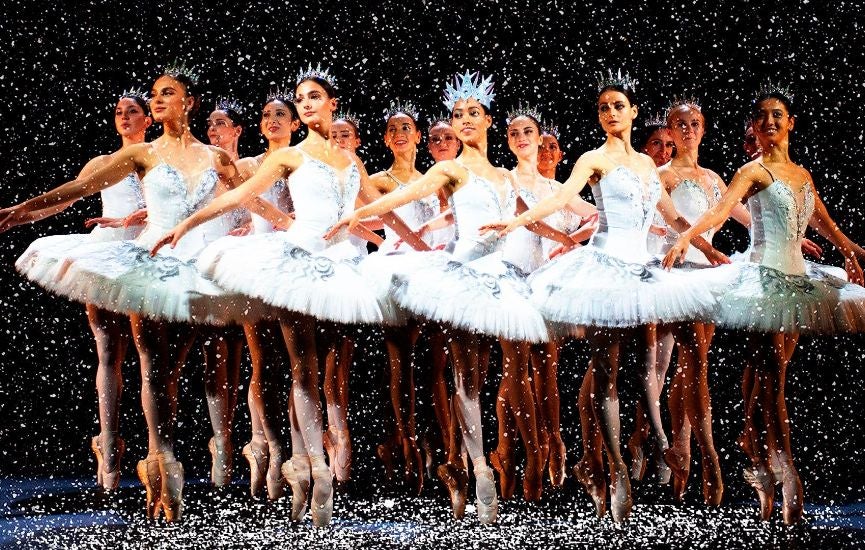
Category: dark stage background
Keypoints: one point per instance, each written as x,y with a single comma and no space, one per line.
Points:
63,68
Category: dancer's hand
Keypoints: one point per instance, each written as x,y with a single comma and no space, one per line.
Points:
139,217
170,238
105,222
241,231
716,257
811,248
501,228
676,254
349,222
562,249
854,272
658,230
13,216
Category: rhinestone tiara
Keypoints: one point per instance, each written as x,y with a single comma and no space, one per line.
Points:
279,94
317,72
228,104
469,85
616,79
179,68
397,106
523,110
349,117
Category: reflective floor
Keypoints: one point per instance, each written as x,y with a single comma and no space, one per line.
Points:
70,513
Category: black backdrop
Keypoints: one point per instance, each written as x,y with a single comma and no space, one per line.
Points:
63,68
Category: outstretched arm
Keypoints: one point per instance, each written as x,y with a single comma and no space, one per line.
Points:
823,223
680,224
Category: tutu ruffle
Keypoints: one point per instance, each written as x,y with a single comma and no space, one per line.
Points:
379,269
485,296
325,285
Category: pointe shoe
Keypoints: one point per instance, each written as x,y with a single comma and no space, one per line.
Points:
638,460
680,466
221,463
504,466
662,470
296,472
274,480
620,495
322,492
413,464
594,482
558,454
761,479
485,484
791,489
713,483
107,475
171,496
533,484
258,462
150,476
456,481
426,449
385,453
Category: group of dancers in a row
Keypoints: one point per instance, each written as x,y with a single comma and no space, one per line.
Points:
195,243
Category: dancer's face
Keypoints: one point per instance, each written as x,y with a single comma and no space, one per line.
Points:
687,127
443,143
401,134
344,135
549,154
221,130
469,120
313,104
772,122
277,122
615,112
129,118
169,100
660,146
524,138
750,144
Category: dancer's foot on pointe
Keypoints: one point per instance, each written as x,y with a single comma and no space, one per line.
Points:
337,443
427,451
322,491
413,473
456,480
791,489
558,457
385,453
485,490
761,479
297,473
591,475
257,456
638,457
221,463
679,463
503,462
171,497
275,481
533,481
151,478
713,483
620,494
109,450
662,470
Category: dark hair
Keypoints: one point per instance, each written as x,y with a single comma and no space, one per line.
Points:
773,94
137,99
627,91
190,87
285,100
642,134
234,116
328,87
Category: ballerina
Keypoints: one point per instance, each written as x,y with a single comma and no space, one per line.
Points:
110,330
597,286
776,296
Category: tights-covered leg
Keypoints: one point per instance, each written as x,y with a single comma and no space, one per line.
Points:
545,360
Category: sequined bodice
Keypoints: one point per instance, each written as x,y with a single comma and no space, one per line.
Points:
122,198
322,195
691,201
415,213
778,222
474,204
279,196
626,207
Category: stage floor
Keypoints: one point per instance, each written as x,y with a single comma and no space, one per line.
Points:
70,513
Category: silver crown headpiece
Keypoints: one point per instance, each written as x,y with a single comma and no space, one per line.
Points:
405,107
618,79
179,68
469,85
136,92
279,94
443,118
549,127
317,72
348,116
689,102
228,104
523,110
772,88
657,120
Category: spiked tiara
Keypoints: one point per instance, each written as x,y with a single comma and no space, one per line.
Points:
549,127
349,117
228,104
469,85
658,120
618,79
689,102
523,110
444,118
279,94
771,88
398,106
135,92
317,72
179,68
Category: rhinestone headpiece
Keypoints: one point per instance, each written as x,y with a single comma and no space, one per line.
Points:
469,85
179,68
523,110
317,72
398,106
618,79
771,88
349,117
658,120
279,94
136,92
440,117
549,127
228,104
689,102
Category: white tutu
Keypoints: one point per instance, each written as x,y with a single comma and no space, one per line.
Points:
588,287
379,269
484,296
325,285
